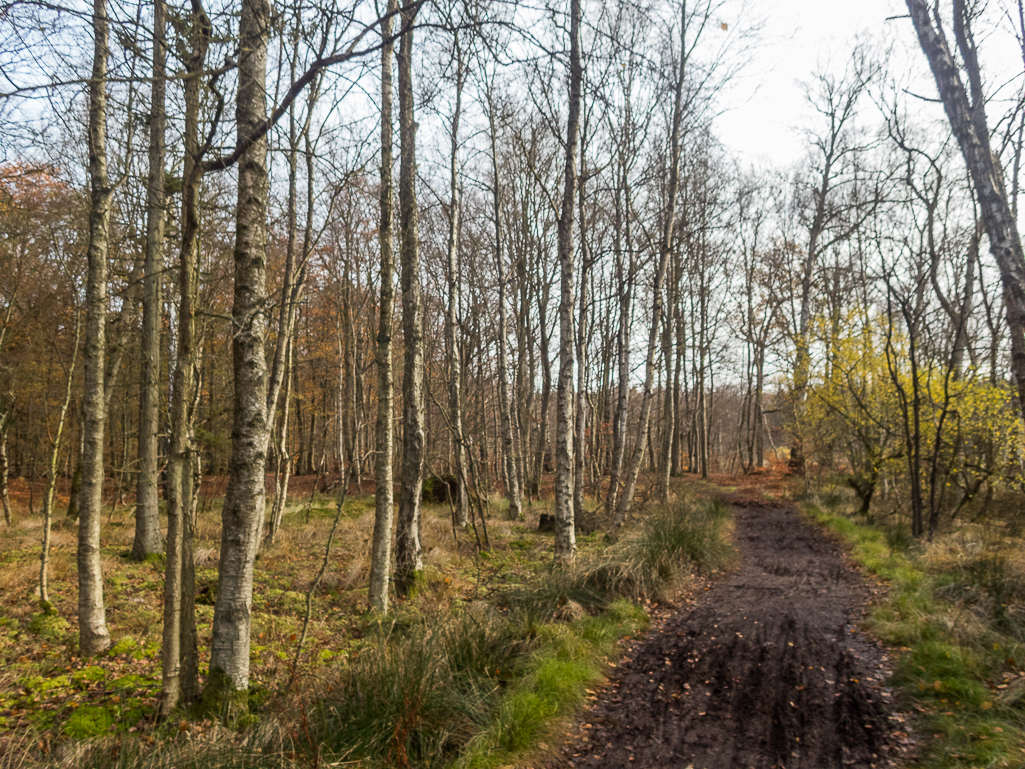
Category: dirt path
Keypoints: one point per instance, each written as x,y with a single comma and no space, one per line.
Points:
768,669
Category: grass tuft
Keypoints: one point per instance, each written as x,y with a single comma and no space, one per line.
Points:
962,659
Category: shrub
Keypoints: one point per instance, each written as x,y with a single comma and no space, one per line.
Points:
438,489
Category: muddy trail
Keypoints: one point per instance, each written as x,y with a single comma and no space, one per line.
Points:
766,670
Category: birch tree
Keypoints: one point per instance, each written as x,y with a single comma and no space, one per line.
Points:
180,670
408,555
147,519
380,559
664,249
242,514
966,112
93,636
565,530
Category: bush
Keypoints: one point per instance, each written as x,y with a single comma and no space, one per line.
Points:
438,489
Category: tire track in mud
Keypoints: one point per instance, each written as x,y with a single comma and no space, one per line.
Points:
766,671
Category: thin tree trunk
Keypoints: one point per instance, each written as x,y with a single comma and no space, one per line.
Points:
565,529
665,248
624,270
668,410
92,623
51,474
408,556
455,373
5,496
179,677
580,426
282,457
380,560
546,393
509,438
291,293
147,518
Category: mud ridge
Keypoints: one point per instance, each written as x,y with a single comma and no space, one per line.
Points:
768,670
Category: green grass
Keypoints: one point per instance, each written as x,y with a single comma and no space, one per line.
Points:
961,662
676,541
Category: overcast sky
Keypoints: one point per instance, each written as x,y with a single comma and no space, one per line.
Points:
767,103
798,36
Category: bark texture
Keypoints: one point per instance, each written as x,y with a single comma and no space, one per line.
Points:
242,515
147,520
180,674
967,116
93,636
565,529
408,555
384,501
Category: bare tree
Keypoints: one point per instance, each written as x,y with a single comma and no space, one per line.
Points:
242,514
180,678
966,112
408,557
147,519
92,623
454,348
565,531
831,213
665,248
510,441
380,560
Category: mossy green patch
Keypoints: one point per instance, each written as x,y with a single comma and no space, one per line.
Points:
88,675
89,721
124,646
49,626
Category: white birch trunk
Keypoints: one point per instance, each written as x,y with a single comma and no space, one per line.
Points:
147,520
93,636
380,559
245,499
565,528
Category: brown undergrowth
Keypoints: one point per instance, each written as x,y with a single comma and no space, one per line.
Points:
534,641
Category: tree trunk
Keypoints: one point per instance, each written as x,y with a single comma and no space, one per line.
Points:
92,623
147,518
665,248
380,560
565,530
51,474
180,667
408,556
668,404
5,496
580,426
282,457
624,277
509,437
455,373
968,123
242,514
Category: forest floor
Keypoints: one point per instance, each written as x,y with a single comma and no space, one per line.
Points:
765,668
768,665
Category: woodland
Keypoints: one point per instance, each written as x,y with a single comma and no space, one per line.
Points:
339,338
